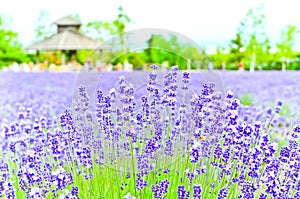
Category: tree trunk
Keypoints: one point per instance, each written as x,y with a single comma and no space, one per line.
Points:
188,64
63,59
252,63
37,57
283,66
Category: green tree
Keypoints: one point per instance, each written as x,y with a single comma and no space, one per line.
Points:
253,33
100,30
119,24
10,48
221,57
285,45
236,48
42,29
104,29
194,55
169,49
158,49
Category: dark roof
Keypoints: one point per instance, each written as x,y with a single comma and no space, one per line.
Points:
67,20
67,40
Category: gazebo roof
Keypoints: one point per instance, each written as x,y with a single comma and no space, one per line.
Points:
67,40
67,21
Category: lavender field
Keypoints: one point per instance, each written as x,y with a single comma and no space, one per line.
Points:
175,134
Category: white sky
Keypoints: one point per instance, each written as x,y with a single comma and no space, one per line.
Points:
208,22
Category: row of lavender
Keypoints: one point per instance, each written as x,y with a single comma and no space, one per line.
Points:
173,142
50,93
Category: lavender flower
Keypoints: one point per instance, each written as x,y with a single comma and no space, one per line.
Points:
181,192
197,192
223,193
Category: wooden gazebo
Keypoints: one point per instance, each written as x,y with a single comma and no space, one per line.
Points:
67,39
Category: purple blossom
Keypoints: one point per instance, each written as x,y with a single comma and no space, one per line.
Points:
197,192
181,192
223,193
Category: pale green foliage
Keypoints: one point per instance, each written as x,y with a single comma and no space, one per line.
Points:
10,48
42,29
286,44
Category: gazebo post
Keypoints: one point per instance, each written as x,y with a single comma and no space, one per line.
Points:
63,59
37,57
101,55
75,55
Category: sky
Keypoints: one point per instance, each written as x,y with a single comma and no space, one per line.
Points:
207,22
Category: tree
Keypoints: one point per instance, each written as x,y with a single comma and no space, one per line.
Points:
237,48
221,57
119,24
253,33
263,56
169,49
42,29
285,44
158,49
195,55
10,48
102,30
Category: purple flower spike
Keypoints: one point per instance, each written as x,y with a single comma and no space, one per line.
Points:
223,193
197,192
181,192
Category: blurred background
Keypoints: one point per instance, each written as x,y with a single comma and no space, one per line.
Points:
65,35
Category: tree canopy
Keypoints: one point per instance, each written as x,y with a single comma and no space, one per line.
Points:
11,49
